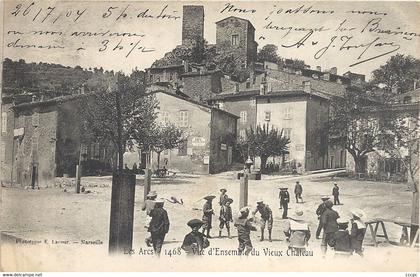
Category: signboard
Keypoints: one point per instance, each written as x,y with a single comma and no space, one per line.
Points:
300,147
206,160
198,141
223,146
18,132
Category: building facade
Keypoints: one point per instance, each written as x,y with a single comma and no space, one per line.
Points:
211,135
45,142
236,36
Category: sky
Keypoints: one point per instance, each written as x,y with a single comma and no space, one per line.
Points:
315,36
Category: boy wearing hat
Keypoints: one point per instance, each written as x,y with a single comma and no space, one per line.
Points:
336,193
341,240
319,211
284,201
159,225
298,192
223,197
266,217
148,205
207,214
358,230
195,242
329,224
225,217
297,232
244,226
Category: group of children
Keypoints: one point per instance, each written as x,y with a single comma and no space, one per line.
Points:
297,232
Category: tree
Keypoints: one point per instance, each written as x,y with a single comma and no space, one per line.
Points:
404,146
264,142
165,137
119,115
358,125
268,53
400,72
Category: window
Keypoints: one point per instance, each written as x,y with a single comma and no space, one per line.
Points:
267,116
269,88
248,84
171,77
164,116
182,149
242,134
151,77
35,119
407,99
3,122
183,118
287,132
288,113
243,116
235,40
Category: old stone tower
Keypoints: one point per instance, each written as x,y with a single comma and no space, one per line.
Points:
192,24
237,36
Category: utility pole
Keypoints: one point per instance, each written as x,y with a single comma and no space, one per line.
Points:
79,170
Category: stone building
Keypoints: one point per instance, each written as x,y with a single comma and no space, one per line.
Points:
236,36
192,24
165,75
45,142
300,113
201,85
211,135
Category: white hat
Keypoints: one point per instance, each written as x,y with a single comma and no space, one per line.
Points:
298,214
358,213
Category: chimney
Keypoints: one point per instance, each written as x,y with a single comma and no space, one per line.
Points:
333,70
307,86
318,68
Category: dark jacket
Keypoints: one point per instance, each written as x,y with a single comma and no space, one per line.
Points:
341,241
284,197
265,212
244,227
329,221
225,213
194,243
160,221
298,188
223,198
335,191
321,209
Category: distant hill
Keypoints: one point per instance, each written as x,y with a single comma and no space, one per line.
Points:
55,79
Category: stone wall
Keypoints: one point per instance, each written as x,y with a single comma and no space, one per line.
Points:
36,148
6,143
316,140
192,24
222,141
292,81
201,86
225,30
